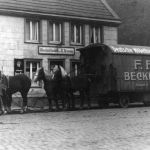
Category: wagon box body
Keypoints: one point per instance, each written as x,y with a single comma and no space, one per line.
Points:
133,68
119,68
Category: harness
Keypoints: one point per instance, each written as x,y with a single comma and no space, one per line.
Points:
8,81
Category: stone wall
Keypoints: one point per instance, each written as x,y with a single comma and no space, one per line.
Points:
110,35
11,42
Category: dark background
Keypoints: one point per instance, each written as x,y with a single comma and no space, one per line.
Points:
135,17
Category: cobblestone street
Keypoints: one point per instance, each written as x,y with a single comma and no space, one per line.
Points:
99,129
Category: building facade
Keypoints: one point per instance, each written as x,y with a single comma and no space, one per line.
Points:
44,33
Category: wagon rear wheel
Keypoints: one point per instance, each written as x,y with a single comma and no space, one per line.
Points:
124,101
147,104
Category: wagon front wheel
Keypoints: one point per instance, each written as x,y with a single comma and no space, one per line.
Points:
124,101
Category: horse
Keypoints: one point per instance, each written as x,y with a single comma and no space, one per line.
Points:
70,85
51,85
18,83
58,84
81,83
65,86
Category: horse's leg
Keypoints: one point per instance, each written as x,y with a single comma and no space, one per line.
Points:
64,102
60,96
5,100
81,98
67,99
56,102
1,106
50,104
72,99
9,101
88,98
25,102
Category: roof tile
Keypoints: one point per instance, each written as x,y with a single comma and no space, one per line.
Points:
81,8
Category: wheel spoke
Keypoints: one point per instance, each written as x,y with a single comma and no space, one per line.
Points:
124,101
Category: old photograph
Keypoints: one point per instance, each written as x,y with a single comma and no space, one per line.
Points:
74,75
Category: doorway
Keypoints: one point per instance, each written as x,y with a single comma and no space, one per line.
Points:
54,62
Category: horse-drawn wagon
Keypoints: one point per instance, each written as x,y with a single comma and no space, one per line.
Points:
122,72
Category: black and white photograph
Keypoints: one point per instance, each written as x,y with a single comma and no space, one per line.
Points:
74,75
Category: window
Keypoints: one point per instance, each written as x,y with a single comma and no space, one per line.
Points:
32,31
76,33
30,69
55,32
54,62
75,68
96,34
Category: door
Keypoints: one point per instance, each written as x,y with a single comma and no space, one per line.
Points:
75,68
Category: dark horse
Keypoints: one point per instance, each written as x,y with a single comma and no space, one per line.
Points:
81,83
51,85
19,83
69,85
58,84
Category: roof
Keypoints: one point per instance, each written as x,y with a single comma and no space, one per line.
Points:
97,10
120,49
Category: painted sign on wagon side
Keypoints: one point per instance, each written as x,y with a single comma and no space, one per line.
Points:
141,71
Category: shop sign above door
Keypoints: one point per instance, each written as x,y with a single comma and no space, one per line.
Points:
56,50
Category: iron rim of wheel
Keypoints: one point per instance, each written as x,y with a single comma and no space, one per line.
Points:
146,103
124,101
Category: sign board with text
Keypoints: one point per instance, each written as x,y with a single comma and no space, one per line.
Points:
56,50
133,67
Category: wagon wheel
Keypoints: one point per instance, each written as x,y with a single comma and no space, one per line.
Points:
146,100
124,101
146,103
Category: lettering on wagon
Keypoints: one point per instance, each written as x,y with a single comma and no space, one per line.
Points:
141,71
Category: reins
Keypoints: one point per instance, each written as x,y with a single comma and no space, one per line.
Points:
82,74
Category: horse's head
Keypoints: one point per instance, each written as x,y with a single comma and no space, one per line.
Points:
59,72
56,73
39,75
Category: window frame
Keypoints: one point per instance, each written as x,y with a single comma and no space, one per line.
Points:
54,22
25,66
100,34
55,60
73,72
75,33
39,28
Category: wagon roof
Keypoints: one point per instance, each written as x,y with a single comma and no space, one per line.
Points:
121,49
